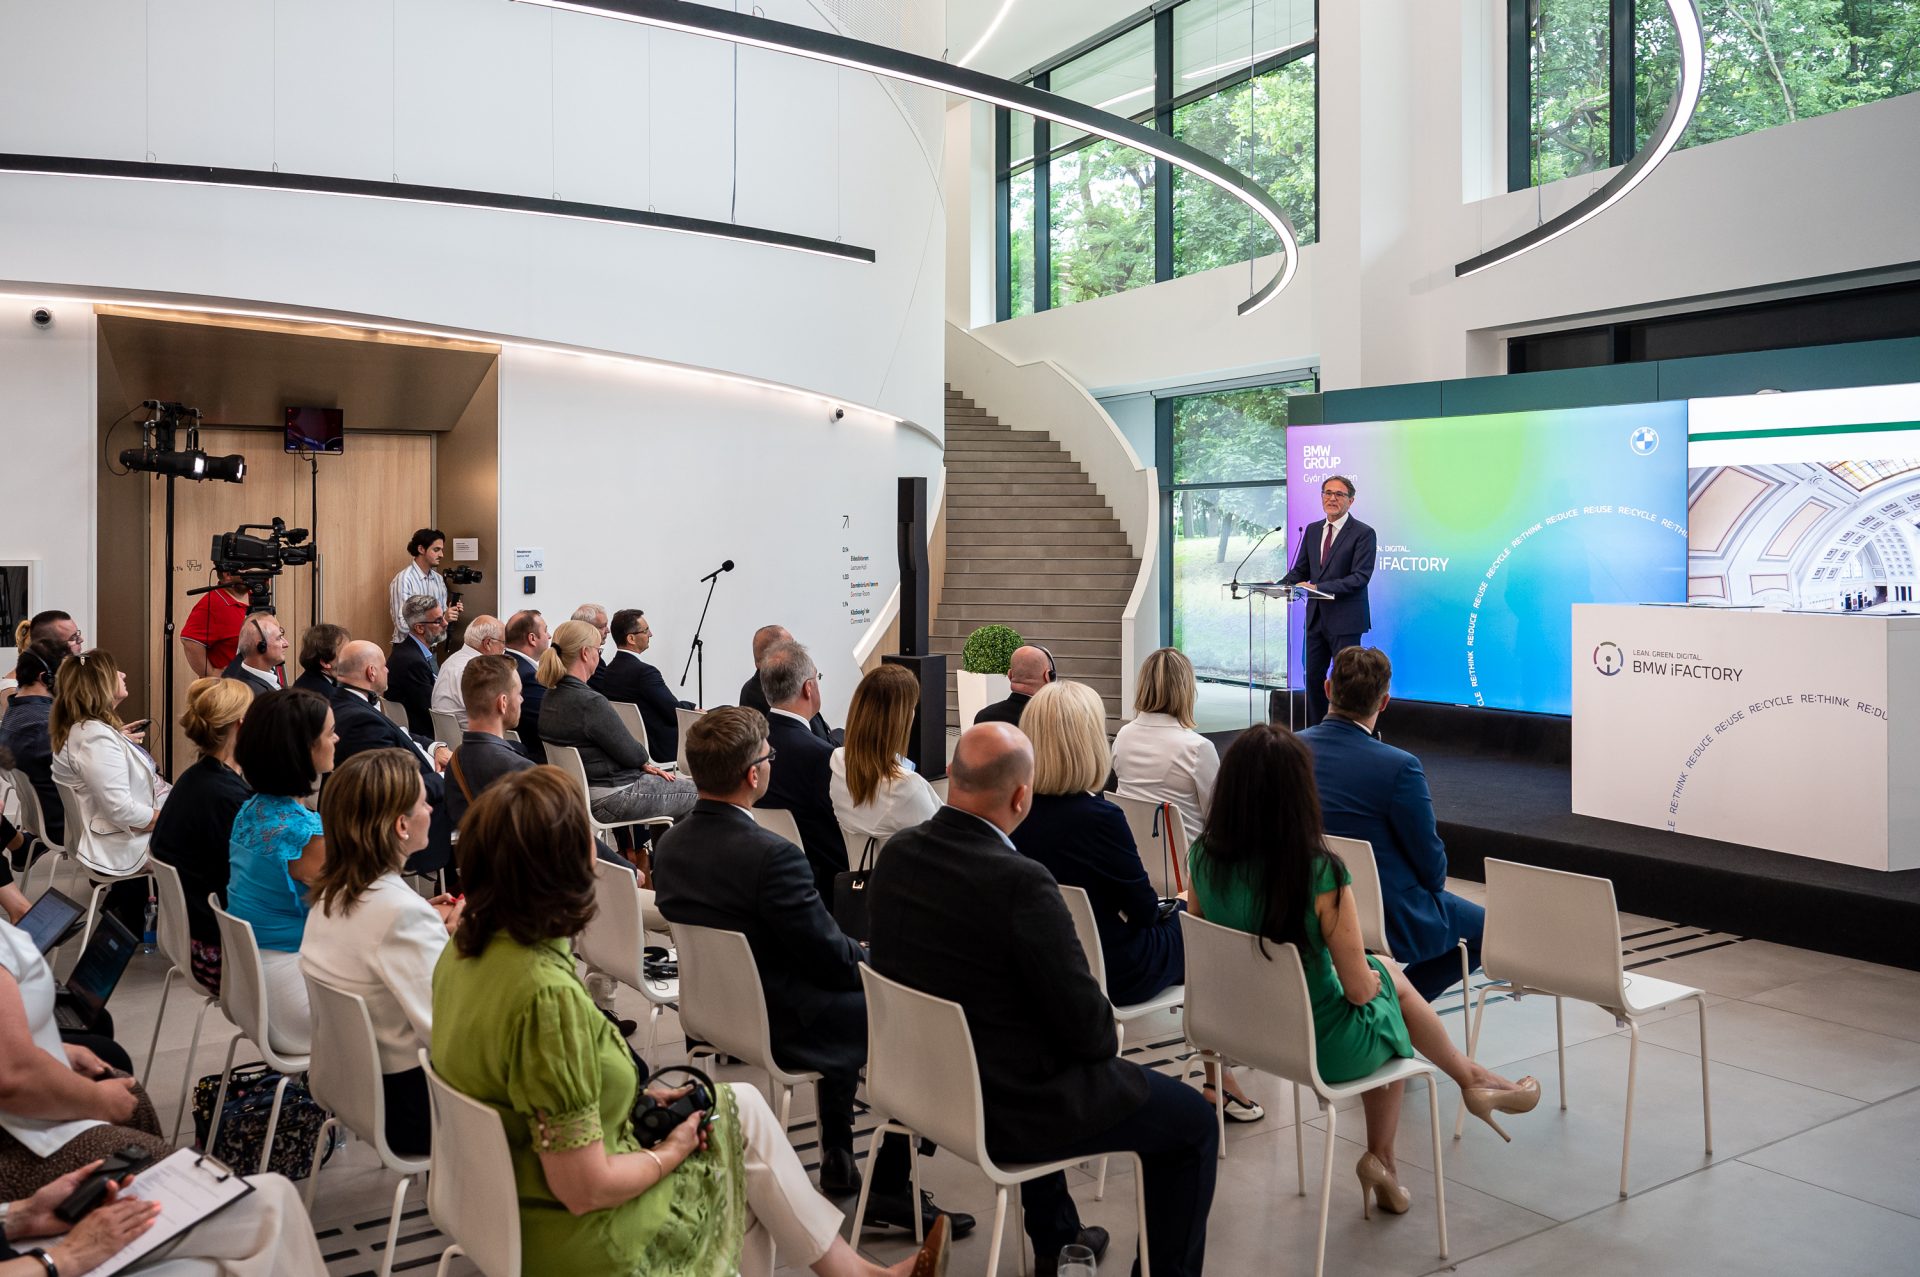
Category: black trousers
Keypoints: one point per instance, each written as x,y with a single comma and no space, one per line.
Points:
1315,660
890,1172
834,1045
409,1117
1175,1135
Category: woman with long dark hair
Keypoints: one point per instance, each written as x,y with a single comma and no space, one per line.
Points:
1262,866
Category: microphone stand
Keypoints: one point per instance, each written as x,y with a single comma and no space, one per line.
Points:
698,653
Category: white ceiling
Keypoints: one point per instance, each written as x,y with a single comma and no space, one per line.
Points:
1032,32
1213,33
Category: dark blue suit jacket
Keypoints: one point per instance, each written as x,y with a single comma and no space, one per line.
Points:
531,694
802,776
410,674
628,678
362,726
1344,575
1372,791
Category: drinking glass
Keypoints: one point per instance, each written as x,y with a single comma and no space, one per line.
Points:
1076,1261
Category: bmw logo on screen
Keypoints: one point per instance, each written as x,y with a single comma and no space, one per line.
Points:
1645,440
1607,658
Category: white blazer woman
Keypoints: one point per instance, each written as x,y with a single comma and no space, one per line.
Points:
117,786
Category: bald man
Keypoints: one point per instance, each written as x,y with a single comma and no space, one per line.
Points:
486,636
361,671
261,655
1029,670
958,913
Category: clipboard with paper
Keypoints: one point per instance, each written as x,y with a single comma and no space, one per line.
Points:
189,1188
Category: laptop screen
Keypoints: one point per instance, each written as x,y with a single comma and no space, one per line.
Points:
50,918
101,966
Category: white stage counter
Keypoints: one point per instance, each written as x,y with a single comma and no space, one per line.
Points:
1792,731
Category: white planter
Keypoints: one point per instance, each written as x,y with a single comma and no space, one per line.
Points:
977,691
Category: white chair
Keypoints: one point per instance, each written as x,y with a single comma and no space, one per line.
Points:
567,759
446,728
923,1079
615,940
513,735
779,820
858,848
176,946
395,711
471,1194
1172,998
243,997
1357,855
1558,934
79,840
345,1080
1161,836
723,1003
1253,1008
687,717
33,820
636,726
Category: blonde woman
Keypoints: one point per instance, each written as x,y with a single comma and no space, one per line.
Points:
622,781
875,789
1159,756
197,823
119,789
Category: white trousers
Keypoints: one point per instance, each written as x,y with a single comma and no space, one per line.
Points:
784,1211
264,1234
289,1018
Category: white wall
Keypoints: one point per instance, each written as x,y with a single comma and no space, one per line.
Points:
47,435
491,96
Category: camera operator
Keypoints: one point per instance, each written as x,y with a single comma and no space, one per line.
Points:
422,576
262,655
210,638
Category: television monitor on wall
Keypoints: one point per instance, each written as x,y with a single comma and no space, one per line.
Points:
1491,528
315,430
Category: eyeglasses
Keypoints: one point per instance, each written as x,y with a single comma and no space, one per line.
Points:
764,758
1336,493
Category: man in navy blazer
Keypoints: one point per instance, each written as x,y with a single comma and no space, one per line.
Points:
802,766
1371,791
1336,557
527,637
360,677
628,678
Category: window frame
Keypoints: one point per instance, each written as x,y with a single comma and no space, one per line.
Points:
1620,71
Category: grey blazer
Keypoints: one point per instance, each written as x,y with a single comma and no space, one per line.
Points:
574,714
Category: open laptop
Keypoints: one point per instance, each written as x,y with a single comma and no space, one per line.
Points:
78,1003
51,920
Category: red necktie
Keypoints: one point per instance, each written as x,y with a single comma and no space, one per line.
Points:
1326,546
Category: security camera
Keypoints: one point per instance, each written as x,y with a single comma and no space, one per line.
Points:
839,413
42,317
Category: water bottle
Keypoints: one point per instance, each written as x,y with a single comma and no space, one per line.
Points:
149,936
1076,1261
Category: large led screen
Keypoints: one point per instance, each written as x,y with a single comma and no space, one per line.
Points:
1491,528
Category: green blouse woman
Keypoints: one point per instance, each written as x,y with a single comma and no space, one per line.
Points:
514,1028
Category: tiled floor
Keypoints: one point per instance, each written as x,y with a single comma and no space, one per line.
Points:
1816,1105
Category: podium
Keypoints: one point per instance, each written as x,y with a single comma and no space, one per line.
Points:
1258,596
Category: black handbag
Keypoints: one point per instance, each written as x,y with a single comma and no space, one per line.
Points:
243,1128
850,895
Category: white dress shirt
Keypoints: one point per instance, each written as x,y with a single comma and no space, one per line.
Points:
446,686
120,791
21,958
1338,525
900,802
384,950
269,679
1157,759
407,582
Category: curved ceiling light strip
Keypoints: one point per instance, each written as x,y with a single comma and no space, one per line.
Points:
896,64
408,193
1686,95
992,28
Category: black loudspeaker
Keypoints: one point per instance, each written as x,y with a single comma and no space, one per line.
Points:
928,745
911,544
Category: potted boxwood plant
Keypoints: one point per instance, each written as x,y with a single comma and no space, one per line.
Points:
983,669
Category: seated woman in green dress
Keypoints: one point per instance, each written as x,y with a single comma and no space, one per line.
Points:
513,1027
1261,865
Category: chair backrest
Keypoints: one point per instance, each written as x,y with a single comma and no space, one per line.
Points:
1250,1007
614,939
687,717
79,832
513,735
921,1069
567,759
446,727
1161,836
32,818
394,710
1357,855
1553,931
857,845
471,1193
344,1073
779,820
721,998
172,931
243,984
1080,908
636,726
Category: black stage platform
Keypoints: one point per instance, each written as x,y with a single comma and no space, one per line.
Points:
1502,788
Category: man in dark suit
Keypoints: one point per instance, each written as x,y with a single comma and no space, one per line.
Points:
361,672
1371,791
628,678
802,771
1028,670
717,868
959,914
411,667
1336,557
260,655
753,696
527,637
319,649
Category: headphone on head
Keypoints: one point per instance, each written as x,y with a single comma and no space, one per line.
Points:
259,634
1053,671
46,670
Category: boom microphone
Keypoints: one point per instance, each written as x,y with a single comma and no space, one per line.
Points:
725,566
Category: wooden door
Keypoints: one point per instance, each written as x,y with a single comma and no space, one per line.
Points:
371,498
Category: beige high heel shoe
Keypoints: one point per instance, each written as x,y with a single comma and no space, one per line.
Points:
1484,1101
1376,1183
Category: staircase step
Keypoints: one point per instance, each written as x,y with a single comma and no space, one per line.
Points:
1011,449
1016,571
1033,584
994,539
1072,487
959,523
1014,614
1014,595
998,434
963,507
976,468
1105,646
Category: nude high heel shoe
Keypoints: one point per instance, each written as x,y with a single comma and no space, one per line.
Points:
1484,1101
1376,1183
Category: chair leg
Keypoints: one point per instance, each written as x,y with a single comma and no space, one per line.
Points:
1560,1046
220,1099
999,1231
1473,1044
1466,999
313,1176
1299,1147
193,1050
1633,1063
393,1222
1027,1258
273,1124
1439,1176
93,912
446,1257
1706,1094
1326,1194
913,1185
159,1017
1140,1211
1220,1107
786,1106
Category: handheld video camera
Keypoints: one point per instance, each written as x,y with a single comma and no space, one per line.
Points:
462,575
